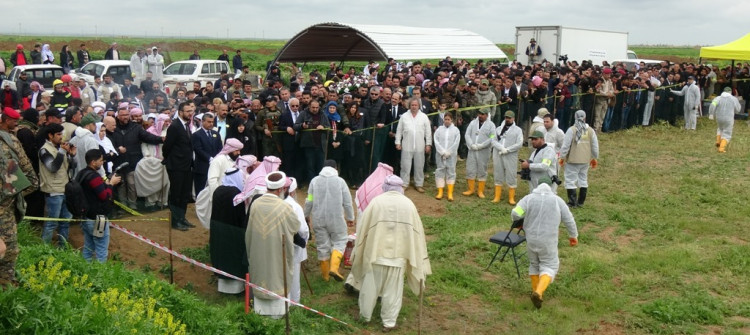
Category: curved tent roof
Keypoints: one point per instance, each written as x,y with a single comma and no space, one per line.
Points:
356,42
735,50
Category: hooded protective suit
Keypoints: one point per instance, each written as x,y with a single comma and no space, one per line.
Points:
478,140
505,155
692,102
723,109
542,162
329,203
446,150
542,211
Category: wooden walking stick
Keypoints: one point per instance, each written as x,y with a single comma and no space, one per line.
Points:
286,292
421,296
304,273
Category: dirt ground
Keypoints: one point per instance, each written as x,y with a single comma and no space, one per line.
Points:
140,256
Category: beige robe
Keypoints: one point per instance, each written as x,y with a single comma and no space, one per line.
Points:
390,228
271,219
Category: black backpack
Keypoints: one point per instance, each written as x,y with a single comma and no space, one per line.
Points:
75,198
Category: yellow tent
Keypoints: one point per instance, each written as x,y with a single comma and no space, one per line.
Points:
735,50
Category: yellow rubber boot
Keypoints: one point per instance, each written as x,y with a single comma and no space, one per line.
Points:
440,193
534,282
512,196
718,140
324,269
471,183
450,192
336,257
537,297
480,189
723,146
498,194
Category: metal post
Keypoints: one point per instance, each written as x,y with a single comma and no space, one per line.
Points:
286,293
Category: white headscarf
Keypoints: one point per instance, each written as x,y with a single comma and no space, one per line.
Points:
105,142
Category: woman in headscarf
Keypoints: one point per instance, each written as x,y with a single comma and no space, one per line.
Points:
227,236
238,129
339,130
151,179
354,164
47,56
105,145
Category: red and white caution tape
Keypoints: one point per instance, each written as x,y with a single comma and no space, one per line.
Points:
215,270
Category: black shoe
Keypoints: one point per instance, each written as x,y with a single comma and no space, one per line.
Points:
179,226
572,201
582,196
187,223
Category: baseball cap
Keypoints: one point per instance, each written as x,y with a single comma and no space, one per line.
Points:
537,134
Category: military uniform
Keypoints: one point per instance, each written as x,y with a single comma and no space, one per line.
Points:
269,119
8,207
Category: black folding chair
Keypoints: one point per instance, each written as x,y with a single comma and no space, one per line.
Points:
509,240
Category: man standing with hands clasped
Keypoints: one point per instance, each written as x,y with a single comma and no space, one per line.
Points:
542,210
413,139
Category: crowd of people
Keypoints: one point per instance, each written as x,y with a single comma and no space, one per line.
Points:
238,152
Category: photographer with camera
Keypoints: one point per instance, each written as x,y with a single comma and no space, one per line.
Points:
580,149
542,162
99,198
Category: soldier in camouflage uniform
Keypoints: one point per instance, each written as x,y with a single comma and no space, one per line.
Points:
267,122
11,150
469,98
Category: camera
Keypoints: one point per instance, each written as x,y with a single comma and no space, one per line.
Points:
120,167
525,174
556,180
563,58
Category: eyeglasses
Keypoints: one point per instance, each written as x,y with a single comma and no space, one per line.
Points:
293,105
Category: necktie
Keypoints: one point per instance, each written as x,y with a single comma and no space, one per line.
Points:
393,126
294,117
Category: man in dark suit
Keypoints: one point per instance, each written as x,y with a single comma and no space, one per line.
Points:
129,91
178,159
290,163
206,145
393,112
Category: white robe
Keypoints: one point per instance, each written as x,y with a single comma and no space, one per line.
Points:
203,202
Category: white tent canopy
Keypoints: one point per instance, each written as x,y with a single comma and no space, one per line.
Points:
356,42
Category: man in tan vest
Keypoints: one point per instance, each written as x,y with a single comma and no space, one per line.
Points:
580,149
54,159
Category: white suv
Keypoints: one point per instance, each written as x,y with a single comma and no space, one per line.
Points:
189,71
45,74
119,69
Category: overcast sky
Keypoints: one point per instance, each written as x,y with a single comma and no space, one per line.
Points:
671,22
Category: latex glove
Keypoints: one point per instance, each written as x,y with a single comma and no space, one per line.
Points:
561,161
446,156
594,163
710,116
573,241
474,147
504,150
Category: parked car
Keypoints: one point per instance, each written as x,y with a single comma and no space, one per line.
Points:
119,69
45,74
189,71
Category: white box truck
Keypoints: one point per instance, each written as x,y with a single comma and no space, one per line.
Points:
575,43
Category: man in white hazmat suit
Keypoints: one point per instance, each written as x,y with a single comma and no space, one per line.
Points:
156,65
390,245
541,162
723,109
478,137
300,253
553,135
137,65
542,211
413,139
507,142
447,138
329,204
692,102
580,149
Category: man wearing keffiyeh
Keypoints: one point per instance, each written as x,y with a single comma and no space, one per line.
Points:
580,149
